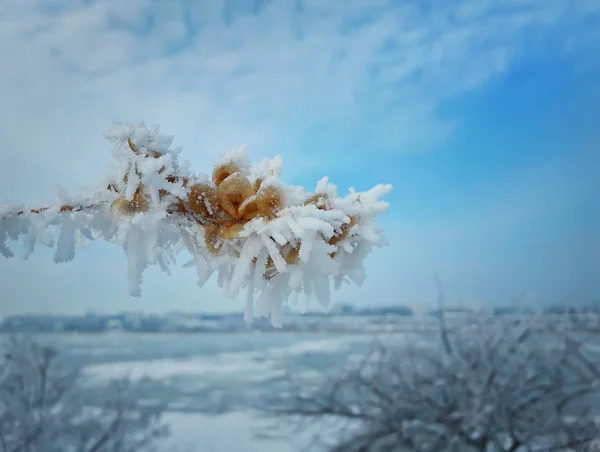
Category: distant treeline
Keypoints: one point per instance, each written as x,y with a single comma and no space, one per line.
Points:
189,322
203,322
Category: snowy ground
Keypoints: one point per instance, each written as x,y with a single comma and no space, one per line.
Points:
194,432
215,384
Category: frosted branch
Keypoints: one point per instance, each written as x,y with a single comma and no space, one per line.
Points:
241,222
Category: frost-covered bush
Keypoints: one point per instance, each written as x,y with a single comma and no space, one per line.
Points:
490,385
41,410
242,222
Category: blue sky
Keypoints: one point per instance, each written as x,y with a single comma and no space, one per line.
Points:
482,114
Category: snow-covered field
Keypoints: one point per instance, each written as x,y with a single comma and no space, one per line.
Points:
213,384
235,431
217,387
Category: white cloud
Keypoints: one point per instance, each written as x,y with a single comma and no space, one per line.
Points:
270,79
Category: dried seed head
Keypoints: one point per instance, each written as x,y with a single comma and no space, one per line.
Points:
321,200
212,240
232,192
249,209
337,238
120,206
124,207
270,200
270,269
179,206
202,199
231,231
133,147
138,203
173,180
137,150
222,172
293,255
266,203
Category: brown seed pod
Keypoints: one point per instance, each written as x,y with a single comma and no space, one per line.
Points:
270,269
293,255
202,199
173,180
266,203
321,200
249,209
212,240
257,184
179,206
337,238
133,147
138,203
222,172
231,231
137,151
122,206
270,200
232,192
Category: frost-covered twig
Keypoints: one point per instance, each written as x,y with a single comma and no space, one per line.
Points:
242,222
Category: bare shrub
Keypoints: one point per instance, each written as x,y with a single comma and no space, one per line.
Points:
485,384
42,411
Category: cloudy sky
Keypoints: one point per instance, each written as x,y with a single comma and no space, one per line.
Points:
483,114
